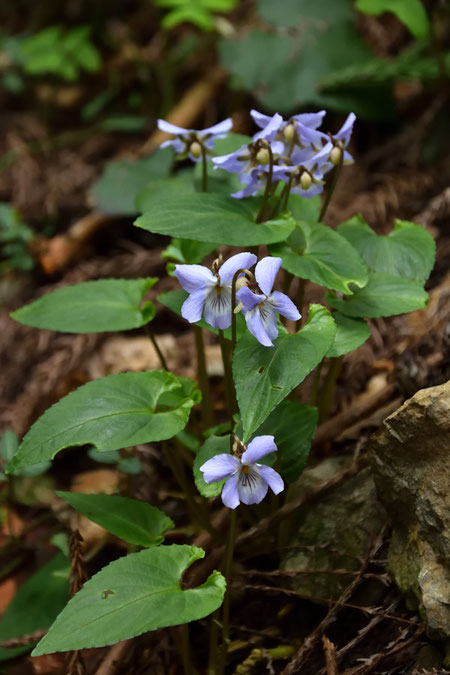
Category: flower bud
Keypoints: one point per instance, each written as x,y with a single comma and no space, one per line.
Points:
289,132
305,180
195,149
263,156
335,155
241,282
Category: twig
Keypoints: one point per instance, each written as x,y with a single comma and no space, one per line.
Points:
112,660
24,640
299,658
330,656
74,660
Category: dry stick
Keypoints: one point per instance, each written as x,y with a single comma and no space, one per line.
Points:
112,660
330,656
74,660
303,653
55,253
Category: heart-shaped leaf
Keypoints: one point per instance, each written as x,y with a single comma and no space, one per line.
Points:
91,307
408,251
383,295
133,595
264,376
111,413
213,217
132,520
350,334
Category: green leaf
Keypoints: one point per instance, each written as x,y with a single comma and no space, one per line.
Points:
132,595
408,251
383,295
187,251
132,520
323,256
174,301
214,445
122,180
8,448
410,12
293,424
111,413
36,604
304,210
264,376
91,307
157,192
350,334
292,13
213,217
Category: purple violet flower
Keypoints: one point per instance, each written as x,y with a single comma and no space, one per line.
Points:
189,142
211,291
254,182
319,141
306,177
247,481
247,157
260,308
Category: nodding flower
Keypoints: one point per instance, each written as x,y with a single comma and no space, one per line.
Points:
192,143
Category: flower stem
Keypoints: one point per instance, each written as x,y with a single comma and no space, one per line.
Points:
185,649
228,565
161,356
331,188
207,410
204,171
230,395
328,388
261,212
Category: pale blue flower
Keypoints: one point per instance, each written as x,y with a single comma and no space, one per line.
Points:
247,481
260,309
211,291
189,142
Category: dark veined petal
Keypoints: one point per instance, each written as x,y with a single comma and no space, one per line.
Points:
269,319
218,307
256,328
252,487
249,299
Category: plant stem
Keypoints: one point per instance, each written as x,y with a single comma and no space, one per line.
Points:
185,650
328,388
207,410
230,395
229,551
331,188
213,642
161,357
204,171
261,212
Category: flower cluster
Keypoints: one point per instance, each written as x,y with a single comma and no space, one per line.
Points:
292,151
210,291
192,143
247,481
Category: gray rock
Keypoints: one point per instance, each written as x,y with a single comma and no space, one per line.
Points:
332,534
410,458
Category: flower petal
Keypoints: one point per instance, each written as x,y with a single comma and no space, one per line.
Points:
231,162
311,120
283,305
269,319
266,271
233,264
220,128
219,467
258,448
260,119
272,478
192,307
171,128
218,307
345,131
252,487
230,493
270,129
193,277
249,299
256,328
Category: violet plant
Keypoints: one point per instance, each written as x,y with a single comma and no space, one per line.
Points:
262,195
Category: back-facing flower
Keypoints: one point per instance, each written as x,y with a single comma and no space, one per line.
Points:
261,308
192,143
211,290
247,481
